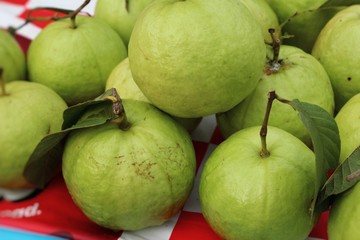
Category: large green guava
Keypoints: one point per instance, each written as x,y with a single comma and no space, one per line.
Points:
29,112
75,62
195,58
244,195
338,49
296,75
131,178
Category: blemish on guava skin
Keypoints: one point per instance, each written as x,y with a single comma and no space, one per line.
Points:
349,78
143,169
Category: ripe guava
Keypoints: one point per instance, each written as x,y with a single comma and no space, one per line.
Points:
122,79
297,75
12,58
75,62
194,58
29,112
338,49
132,178
120,15
244,195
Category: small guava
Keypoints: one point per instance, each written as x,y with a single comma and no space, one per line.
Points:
121,78
245,195
29,112
195,58
129,178
120,15
75,62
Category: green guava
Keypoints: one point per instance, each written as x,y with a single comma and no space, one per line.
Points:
29,112
338,49
121,16
12,58
297,75
348,121
244,195
344,217
75,62
132,178
122,79
305,27
264,15
194,58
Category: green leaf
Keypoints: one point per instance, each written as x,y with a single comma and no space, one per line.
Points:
331,3
325,138
345,176
45,161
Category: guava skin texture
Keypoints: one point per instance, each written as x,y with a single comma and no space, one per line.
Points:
344,216
195,58
29,112
130,179
246,196
118,17
300,76
75,62
338,49
12,58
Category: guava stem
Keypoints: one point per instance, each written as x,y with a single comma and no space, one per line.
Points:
73,14
276,42
118,109
263,131
2,83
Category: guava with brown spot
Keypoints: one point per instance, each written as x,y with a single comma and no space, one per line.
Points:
129,178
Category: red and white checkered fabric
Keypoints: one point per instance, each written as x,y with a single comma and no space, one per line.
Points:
52,211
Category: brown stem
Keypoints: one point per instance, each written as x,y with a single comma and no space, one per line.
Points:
73,14
276,42
263,131
118,109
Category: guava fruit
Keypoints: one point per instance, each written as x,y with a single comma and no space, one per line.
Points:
245,195
129,178
12,58
120,15
344,216
122,80
295,75
195,58
264,15
338,50
348,121
75,62
29,112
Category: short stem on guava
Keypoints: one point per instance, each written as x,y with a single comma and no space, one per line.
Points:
276,42
118,109
73,14
2,83
263,131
